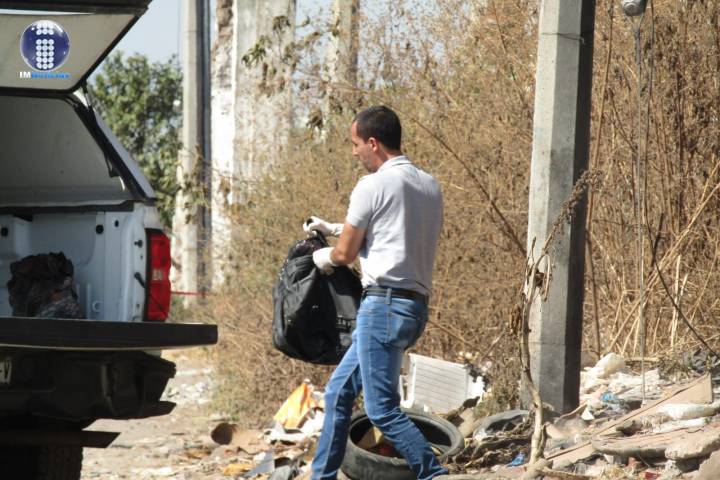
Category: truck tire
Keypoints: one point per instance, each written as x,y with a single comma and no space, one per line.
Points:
41,463
360,464
59,462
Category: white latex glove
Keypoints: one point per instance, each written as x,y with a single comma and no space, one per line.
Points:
326,228
323,261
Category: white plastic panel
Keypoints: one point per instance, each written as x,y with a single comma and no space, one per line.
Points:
49,156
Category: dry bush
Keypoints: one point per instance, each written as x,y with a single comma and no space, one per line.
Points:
678,129
462,77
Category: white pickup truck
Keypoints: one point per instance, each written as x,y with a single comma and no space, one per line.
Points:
67,185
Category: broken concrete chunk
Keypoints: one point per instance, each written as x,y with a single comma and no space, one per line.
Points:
695,445
709,468
697,391
659,423
639,446
672,426
687,411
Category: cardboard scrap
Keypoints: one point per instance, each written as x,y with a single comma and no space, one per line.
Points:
250,441
372,438
234,469
698,391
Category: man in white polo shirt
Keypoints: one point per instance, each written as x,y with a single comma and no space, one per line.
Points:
393,224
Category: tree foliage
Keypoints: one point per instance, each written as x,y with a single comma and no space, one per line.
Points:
141,102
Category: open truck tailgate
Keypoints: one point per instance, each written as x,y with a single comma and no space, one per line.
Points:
54,46
56,334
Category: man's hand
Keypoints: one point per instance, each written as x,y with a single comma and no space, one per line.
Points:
326,228
323,260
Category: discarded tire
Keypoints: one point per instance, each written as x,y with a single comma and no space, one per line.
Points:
360,464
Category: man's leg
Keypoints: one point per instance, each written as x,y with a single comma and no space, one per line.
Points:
394,325
340,393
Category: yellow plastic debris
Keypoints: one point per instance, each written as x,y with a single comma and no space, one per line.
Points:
296,408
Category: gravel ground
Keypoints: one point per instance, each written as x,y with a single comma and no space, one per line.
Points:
175,446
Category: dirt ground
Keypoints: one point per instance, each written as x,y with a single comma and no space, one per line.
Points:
175,446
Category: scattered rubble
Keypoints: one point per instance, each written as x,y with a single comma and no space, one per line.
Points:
666,431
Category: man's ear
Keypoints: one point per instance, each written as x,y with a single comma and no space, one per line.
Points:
374,144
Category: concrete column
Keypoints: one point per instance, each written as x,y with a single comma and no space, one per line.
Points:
191,222
253,112
223,132
561,134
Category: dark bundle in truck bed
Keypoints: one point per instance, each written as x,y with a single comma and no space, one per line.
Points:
42,286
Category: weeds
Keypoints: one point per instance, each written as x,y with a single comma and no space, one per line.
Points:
462,77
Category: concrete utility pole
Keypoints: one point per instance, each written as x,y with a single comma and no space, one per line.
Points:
192,221
342,52
561,136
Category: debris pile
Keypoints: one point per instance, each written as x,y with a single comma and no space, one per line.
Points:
671,434
281,452
627,426
285,449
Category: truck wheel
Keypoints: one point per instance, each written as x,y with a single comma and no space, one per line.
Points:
41,463
360,464
59,462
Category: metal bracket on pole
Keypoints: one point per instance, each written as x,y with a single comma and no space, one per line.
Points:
633,8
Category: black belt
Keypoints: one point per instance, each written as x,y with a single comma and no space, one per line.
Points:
377,291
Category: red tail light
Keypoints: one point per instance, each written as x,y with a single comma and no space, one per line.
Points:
157,299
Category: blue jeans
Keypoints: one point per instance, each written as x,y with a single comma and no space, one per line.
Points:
386,326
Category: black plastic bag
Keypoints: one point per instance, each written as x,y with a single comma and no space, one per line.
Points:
314,314
42,286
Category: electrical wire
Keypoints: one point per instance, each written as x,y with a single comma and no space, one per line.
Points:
641,154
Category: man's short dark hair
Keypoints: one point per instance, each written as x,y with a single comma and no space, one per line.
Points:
381,123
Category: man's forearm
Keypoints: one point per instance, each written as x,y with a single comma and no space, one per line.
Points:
348,245
339,257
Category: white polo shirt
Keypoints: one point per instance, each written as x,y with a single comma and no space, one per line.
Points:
401,209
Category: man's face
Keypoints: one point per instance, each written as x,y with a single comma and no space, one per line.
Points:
366,152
